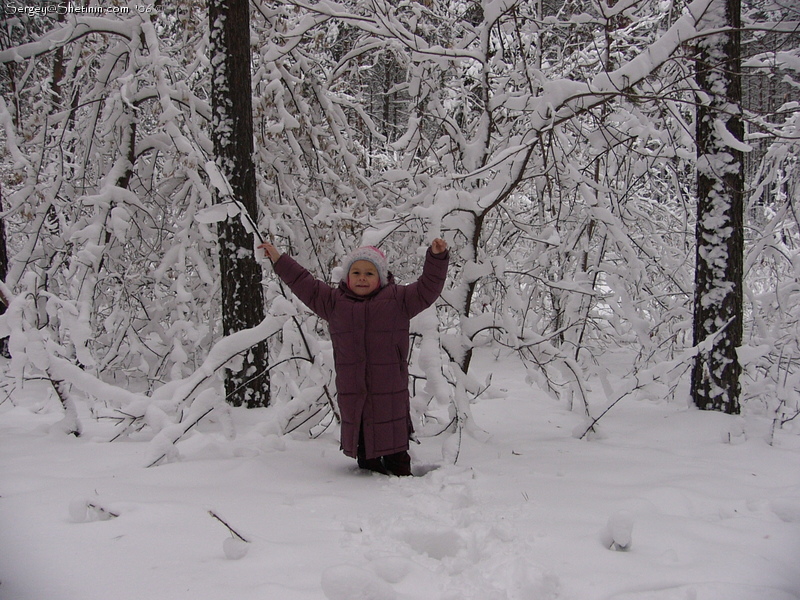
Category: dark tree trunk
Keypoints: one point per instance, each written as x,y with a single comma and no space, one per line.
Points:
242,295
3,274
718,300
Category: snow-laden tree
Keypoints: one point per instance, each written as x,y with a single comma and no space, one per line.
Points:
551,145
106,146
498,124
771,78
556,151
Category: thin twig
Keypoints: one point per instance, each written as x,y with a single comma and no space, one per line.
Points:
231,529
306,420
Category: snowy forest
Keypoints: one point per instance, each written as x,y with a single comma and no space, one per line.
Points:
608,176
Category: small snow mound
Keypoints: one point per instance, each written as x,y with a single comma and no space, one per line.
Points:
392,568
234,548
78,510
347,582
617,534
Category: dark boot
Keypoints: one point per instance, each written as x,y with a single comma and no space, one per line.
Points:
398,464
372,464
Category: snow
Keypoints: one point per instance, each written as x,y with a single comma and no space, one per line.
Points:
661,506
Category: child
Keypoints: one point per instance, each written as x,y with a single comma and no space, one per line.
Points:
368,316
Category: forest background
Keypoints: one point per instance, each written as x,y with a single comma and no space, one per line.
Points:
559,147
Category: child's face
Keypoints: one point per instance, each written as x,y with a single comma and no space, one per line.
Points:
363,278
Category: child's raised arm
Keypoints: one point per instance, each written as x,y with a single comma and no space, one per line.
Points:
315,294
438,246
423,292
272,252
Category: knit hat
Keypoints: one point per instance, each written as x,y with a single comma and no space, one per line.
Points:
373,255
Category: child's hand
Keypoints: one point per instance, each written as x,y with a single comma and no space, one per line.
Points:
272,252
438,246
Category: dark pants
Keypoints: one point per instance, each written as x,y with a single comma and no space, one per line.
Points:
398,463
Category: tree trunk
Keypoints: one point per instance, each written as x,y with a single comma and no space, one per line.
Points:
242,295
718,298
3,275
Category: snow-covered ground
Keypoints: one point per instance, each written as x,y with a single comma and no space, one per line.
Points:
706,508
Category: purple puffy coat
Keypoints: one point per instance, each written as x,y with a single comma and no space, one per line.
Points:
370,340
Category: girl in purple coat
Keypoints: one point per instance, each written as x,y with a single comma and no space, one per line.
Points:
368,315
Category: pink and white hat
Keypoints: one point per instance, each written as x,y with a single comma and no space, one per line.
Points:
373,255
